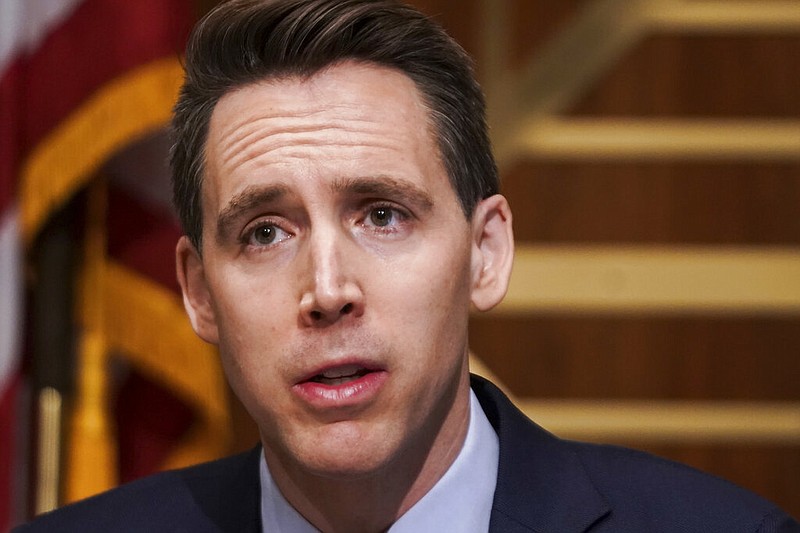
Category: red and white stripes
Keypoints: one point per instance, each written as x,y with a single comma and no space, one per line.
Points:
24,26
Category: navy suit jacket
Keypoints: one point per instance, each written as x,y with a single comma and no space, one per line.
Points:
544,484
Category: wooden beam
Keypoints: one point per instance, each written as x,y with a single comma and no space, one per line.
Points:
568,65
660,280
659,139
776,16
668,421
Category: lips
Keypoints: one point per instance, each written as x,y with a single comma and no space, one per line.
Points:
342,385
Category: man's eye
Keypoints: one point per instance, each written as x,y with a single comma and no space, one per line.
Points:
381,216
266,234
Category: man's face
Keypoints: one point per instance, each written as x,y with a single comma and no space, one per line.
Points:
337,269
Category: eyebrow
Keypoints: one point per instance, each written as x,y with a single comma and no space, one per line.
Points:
386,187
251,197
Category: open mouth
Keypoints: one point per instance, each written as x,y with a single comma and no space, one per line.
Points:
346,385
340,375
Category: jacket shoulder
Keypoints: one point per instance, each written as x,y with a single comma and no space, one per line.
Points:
645,489
549,484
220,495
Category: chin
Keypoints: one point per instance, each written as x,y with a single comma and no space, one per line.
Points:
344,450
342,464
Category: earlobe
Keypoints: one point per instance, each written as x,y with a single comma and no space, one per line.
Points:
196,295
492,252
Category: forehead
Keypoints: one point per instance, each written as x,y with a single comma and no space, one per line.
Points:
345,118
346,97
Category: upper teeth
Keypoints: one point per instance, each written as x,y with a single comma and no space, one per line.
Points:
341,372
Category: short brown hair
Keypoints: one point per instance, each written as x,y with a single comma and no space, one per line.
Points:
245,41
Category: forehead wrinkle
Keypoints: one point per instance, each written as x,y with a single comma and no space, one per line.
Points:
254,146
239,132
248,125
239,135
252,196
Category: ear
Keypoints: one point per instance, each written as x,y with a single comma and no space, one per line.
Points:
492,252
196,296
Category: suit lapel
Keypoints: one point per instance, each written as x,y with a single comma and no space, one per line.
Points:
541,485
228,494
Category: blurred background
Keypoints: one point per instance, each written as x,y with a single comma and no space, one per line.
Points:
650,150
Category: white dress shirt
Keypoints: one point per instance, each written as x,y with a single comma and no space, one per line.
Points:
461,501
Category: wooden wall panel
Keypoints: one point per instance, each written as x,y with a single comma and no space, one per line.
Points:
692,75
531,23
635,357
720,202
654,202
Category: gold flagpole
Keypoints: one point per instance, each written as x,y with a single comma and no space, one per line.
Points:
49,449
91,452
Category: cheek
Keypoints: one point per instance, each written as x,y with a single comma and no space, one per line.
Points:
251,327
446,278
250,293
431,292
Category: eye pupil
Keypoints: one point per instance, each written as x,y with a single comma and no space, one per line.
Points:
264,234
381,216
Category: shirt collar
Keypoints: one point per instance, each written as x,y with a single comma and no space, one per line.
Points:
460,501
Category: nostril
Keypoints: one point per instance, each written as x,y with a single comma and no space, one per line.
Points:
348,308
316,315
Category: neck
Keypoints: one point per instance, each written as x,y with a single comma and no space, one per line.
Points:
373,502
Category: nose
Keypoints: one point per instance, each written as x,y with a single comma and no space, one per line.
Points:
331,291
